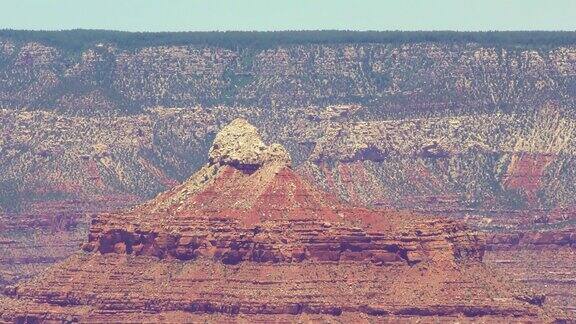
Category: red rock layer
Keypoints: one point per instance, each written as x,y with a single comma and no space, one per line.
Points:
549,270
526,172
126,285
287,221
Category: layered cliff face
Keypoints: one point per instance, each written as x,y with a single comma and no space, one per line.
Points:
246,236
479,162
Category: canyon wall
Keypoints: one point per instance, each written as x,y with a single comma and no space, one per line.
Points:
474,130
403,78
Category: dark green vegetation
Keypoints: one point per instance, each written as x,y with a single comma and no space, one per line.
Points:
80,39
10,198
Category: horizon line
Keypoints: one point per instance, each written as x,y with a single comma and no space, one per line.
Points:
302,30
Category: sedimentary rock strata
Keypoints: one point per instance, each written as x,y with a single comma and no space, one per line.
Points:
548,269
246,237
49,231
532,240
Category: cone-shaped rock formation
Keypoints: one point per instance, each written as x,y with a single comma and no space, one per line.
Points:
246,238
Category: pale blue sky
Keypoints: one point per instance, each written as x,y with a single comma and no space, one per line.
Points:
206,15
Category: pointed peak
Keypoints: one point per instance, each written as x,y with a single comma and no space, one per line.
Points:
240,145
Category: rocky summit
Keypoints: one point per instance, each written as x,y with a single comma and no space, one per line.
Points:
248,239
240,145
